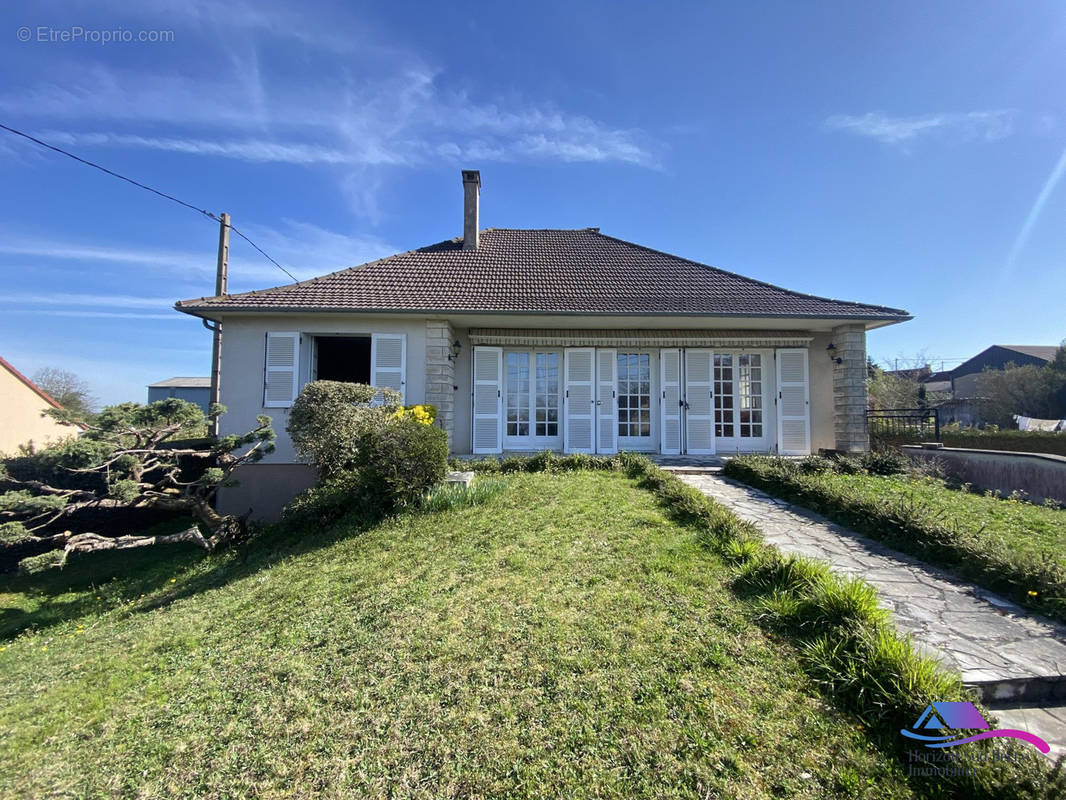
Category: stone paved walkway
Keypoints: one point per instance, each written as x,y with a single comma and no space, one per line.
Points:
987,638
1008,654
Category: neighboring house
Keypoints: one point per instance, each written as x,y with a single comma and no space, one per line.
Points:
22,417
195,390
565,340
937,381
998,356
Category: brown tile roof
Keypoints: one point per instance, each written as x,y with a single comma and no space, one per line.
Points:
541,272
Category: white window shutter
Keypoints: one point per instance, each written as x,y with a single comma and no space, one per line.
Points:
699,406
793,403
488,382
281,369
579,431
670,407
388,361
606,402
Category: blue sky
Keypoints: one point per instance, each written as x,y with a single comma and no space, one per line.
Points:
905,154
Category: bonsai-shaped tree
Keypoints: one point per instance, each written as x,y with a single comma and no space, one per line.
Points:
135,456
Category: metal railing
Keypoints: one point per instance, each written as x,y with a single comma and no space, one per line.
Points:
904,424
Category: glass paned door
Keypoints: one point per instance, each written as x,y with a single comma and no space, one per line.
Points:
517,378
531,399
740,401
547,395
749,395
634,400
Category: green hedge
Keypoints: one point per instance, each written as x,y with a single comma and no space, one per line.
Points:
846,642
1019,441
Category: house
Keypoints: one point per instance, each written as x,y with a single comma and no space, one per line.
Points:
964,378
22,417
939,381
566,340
195,390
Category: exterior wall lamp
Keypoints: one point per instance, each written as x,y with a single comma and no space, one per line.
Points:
456,347
831,349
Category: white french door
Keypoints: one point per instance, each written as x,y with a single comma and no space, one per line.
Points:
532,400
715,401
741,391
635,420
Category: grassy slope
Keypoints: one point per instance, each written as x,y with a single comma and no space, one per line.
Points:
1021,527
564,640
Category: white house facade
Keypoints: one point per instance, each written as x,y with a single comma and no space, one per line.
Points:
564,340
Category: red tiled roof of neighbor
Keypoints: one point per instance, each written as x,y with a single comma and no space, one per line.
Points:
541,272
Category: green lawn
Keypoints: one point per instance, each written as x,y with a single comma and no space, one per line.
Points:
564,640
1009,546
1021,526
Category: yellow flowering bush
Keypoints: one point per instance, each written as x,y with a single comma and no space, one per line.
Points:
423,413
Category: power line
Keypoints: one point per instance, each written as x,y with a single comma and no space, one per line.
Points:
140,185
267,257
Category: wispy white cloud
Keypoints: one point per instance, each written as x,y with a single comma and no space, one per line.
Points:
96,314
986,126
94,300
400,116
165,260
254,150
305,249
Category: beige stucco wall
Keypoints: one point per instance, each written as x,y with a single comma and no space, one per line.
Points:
21,420
823,433
244,351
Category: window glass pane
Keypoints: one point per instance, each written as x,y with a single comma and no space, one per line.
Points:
723,395
517,394
546,394
634,394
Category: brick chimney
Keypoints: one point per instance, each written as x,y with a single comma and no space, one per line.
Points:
471,201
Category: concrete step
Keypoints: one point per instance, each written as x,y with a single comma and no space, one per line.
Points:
706,470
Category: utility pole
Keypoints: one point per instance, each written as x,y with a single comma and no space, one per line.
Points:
221,286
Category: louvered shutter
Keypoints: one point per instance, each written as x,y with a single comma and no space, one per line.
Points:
488,381
699,407
388,357
281,369
579,429
606,402
670,407
793,403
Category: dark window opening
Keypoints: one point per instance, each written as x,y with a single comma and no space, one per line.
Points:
342,358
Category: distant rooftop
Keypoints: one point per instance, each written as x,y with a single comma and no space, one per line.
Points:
1044,351
182,383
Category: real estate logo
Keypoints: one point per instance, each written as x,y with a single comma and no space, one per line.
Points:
961,716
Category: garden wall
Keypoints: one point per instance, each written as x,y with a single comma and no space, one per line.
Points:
1039,476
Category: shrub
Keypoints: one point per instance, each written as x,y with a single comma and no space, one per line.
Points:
324,504
399,462
40,563
885,462
816,465
328,419
1018,441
